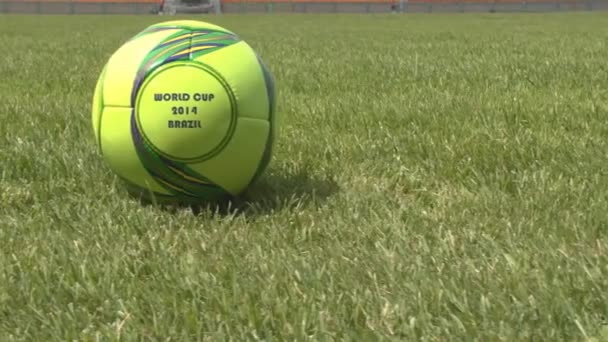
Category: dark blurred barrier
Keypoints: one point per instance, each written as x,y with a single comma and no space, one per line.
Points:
300,6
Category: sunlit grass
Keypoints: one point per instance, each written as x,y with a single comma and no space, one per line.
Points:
436,177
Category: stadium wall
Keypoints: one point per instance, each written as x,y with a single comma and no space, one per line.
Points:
300,6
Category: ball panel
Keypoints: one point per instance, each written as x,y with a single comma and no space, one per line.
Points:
182,181
234,168
119,151
238,64
123,65
189,24
270,89
214,194
205,42
97,106
185,111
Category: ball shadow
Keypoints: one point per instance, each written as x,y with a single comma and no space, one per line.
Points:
280,191
276,190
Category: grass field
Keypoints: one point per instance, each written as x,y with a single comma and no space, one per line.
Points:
437,177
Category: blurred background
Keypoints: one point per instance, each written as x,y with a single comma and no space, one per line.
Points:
171,7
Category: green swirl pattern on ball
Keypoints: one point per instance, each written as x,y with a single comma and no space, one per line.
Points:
185,44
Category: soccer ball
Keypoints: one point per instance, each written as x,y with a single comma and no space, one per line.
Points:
185,111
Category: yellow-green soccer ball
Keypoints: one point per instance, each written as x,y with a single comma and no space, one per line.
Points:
185,111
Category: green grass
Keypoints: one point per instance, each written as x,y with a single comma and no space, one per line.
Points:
437,177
